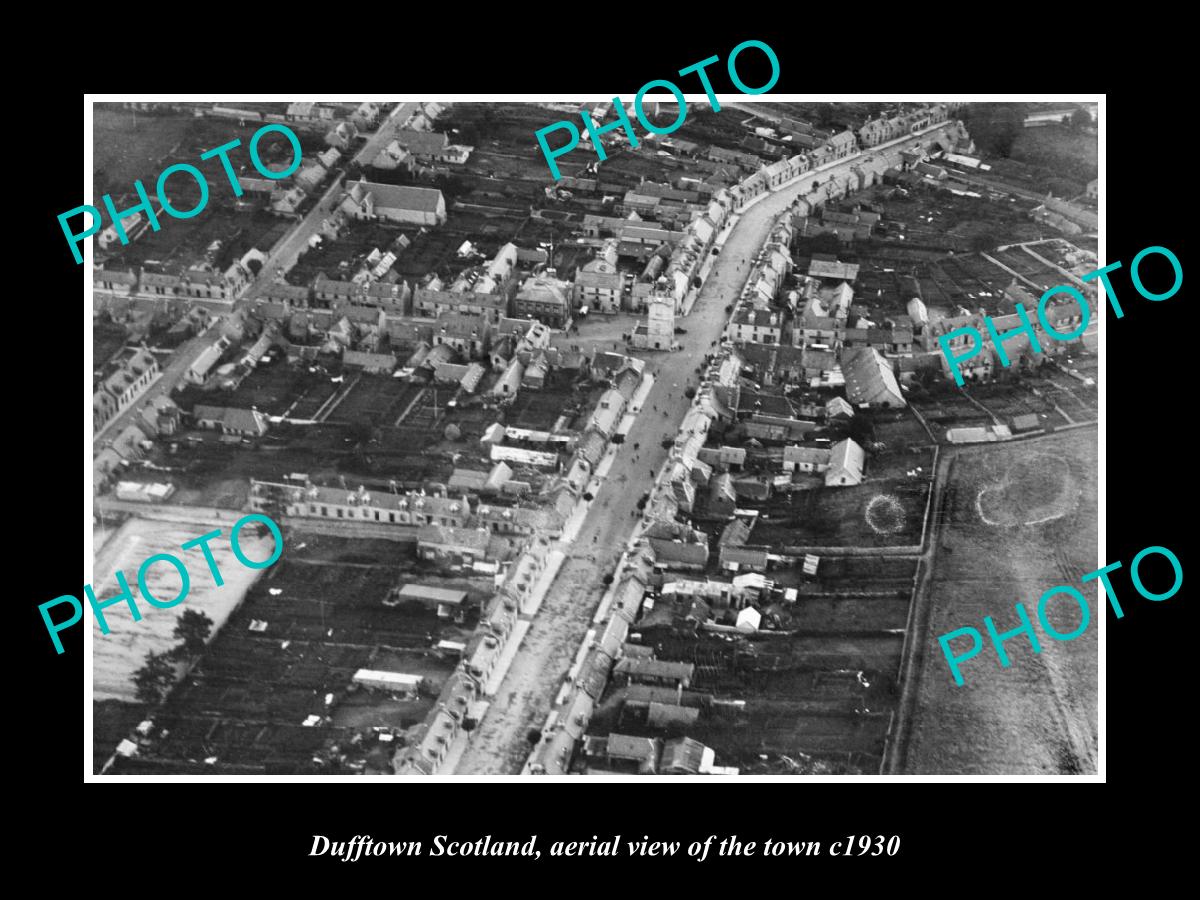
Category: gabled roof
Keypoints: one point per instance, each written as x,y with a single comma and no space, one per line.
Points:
654,668
869,378
819,268
399,196
422,143
232,418
846,458
812,455
679,552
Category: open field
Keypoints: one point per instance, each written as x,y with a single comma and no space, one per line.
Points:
130,148
1061,159
946,408
1038,715
117,655
837,517
899,430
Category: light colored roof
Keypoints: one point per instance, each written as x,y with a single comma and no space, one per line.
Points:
398,196
820,268
446,536
815,455
435,594
369,360
399,679
654,668
847,458
623,746
467,479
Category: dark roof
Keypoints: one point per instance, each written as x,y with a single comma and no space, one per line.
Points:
422,143
679,552
654,668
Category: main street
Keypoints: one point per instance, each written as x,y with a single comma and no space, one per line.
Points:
524,698
499,745
384,133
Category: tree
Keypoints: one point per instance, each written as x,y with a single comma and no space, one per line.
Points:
983,240
360,431
860,429
154,678
1080,119
193,628
452,432
995,127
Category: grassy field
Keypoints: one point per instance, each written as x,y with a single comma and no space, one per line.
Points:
1039,716
837,517
129,147
107,339
1070,156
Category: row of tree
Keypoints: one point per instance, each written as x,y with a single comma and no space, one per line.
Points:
157,675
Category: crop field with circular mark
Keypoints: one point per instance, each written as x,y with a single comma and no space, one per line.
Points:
1030,492
885,514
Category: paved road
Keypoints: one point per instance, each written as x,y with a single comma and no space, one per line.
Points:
176,366
280,261
383,134
284,256
525,696
528,690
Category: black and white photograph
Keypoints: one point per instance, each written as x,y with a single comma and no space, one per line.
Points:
742,436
